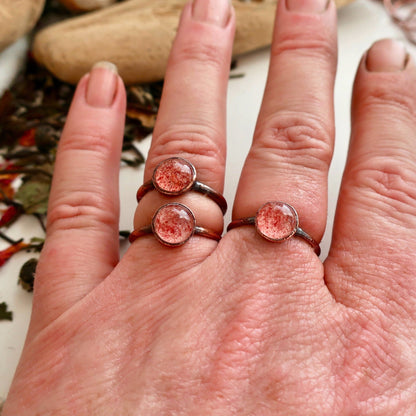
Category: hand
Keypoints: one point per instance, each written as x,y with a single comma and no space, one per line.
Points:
244,326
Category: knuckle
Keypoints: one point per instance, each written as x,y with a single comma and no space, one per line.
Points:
298,139
95,142
388,100
199,52
83,210
305,44
194,142
391,181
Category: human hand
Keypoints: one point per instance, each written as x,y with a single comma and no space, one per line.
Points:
244,326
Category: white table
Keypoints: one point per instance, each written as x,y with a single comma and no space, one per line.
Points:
360,24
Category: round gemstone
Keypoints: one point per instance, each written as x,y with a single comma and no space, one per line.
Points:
173,224
174,176
276,221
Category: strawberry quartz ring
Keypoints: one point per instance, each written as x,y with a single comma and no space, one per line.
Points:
173,225
276,221
175,176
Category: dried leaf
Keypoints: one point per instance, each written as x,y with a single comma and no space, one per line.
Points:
147,119
27,275
34,194
5,315
6,180
10,215
13,249
28,138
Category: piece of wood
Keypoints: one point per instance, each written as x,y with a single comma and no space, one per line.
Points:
17,17
137,35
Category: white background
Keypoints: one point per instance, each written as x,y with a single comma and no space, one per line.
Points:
360,24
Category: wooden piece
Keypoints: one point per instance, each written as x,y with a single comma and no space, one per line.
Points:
17,17
137,35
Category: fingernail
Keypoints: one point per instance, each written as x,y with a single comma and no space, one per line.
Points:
386,56
102,84
307,6
216,12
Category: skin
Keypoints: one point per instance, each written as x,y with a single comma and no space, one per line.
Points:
243,327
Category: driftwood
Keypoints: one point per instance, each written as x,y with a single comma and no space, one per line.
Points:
137,36
17,17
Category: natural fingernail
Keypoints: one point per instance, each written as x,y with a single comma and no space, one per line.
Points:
216,12
307,6
386,56
102,85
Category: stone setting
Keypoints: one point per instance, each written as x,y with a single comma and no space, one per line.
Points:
276,221
174,176
173,224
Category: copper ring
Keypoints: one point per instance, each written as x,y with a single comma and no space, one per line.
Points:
173,225
175,176
276,221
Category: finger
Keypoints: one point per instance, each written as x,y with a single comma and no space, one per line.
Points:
293,141
81,246
372,254
191,119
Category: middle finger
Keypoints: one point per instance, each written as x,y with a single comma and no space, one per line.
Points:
293,141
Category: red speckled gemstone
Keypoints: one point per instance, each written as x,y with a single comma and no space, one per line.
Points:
276,221
173,224
174,176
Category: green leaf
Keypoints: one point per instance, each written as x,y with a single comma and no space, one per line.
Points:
34,194
5,315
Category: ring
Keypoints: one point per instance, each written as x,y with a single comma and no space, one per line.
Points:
175,176
277,222
173,225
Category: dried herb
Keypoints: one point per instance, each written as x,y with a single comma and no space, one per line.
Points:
27,275
13,249
33,194
5,315
10,215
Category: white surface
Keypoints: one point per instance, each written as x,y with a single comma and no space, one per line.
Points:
360,24
11,60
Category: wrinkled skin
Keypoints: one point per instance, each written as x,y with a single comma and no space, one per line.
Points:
243,327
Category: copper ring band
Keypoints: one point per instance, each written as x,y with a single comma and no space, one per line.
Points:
276,221
175,176
173,225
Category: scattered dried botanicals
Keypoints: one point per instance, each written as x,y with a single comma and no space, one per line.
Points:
27,275
5,315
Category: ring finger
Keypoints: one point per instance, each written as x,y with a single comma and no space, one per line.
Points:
293,141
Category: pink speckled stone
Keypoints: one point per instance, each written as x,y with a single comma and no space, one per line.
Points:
174,176
276,221
173,224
